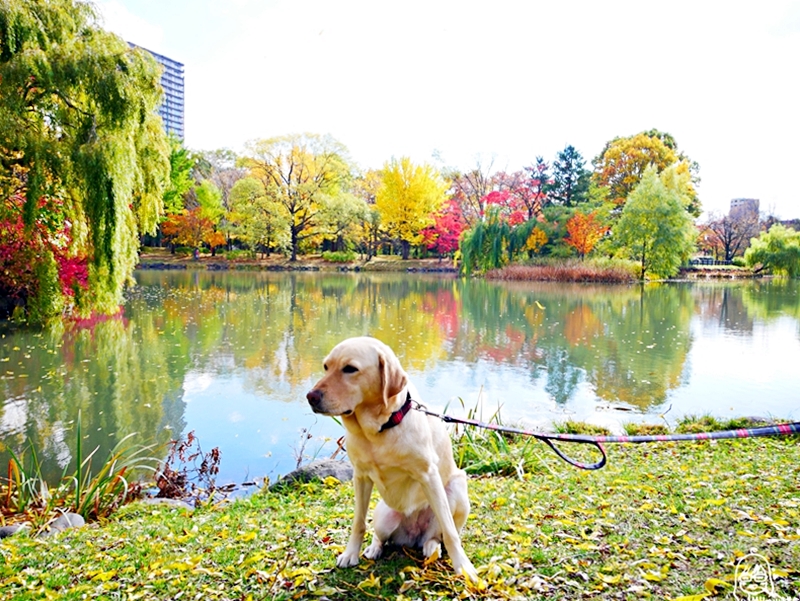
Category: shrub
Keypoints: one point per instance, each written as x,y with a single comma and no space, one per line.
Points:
93,494
233,255
692,424
600,270
573,427
633,429
339,256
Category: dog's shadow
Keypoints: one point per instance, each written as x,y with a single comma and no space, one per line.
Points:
399,570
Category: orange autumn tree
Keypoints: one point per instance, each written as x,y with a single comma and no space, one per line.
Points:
189,228
584,232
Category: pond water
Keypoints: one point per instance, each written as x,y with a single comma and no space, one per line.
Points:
230,356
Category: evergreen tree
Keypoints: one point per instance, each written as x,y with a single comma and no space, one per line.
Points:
571,179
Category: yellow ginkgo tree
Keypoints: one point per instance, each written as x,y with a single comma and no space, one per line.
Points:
408,199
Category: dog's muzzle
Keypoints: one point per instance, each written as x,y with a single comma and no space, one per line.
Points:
315,400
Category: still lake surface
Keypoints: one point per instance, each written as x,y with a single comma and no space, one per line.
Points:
230,356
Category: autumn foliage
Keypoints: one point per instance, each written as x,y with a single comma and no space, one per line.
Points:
25,251
191,228
584,232
443,236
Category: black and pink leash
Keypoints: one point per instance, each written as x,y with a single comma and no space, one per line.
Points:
786,429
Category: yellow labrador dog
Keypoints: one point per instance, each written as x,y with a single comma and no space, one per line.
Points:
406,454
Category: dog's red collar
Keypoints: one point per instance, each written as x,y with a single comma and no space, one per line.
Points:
398,415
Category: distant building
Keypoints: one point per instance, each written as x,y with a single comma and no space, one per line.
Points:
744,206
792,224
171,109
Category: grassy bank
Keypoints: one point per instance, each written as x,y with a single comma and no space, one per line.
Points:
661,521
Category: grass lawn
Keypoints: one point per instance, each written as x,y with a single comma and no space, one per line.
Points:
660,521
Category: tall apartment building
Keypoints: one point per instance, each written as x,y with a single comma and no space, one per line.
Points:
744,206
171,109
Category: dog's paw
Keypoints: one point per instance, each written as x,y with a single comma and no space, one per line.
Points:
347,560
374,551
466,568
432,550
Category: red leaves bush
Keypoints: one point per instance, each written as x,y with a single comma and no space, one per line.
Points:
23,247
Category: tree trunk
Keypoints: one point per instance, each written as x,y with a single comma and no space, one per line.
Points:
406,249
294,245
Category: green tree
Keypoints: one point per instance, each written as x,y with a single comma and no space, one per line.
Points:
486,245
570,184
340,219
623,161
655,229
181,165
219,167
78,125
408,199
256,218
368,233
300,172
776,251
209,199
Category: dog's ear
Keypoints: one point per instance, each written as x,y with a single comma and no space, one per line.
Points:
393,377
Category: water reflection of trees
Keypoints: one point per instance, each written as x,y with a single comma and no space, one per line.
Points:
628,344
767,300
720,306
735,306
114,376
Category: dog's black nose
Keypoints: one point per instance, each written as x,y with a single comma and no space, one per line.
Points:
315,398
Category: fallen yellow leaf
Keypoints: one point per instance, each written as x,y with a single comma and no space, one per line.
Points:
715,585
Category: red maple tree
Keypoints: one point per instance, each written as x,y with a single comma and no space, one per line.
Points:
443,236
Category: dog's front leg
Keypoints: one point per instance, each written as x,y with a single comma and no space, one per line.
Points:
437,497
363,490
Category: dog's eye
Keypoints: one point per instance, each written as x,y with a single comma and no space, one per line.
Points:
325,367
349,369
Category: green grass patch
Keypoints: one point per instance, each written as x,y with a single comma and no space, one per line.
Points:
573,427
660,521
239,254
692,424
632,429
339,256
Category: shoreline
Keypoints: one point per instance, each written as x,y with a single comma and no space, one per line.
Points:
162,259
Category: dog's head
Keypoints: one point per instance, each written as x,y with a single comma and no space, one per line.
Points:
357,371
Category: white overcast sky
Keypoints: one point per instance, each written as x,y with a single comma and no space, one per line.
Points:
502,80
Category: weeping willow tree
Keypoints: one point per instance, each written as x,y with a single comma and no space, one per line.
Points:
493,243
83,157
